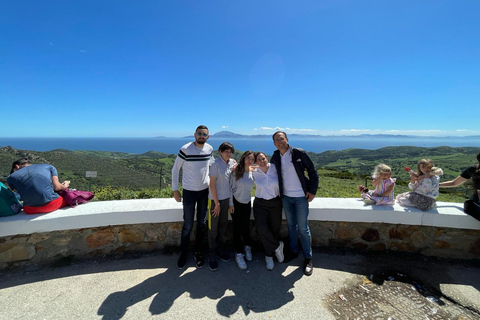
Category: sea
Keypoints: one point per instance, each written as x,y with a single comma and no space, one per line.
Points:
172,145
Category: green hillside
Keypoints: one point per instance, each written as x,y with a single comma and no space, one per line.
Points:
124,175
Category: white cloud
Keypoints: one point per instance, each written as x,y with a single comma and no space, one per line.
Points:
355,130
286,129
224,127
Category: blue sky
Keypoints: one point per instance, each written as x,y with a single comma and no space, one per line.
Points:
151,68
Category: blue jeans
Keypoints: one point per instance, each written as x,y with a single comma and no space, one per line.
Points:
296,212
190,199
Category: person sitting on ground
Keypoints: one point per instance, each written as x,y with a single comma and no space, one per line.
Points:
472,206
383,183
37,185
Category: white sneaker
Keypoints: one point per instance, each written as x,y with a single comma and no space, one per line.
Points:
248,253
240,261
269,263
279,252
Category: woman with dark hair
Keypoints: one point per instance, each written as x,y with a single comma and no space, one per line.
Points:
472,206
267,209
241,183
37,185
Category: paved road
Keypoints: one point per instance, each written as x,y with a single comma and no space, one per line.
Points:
151,287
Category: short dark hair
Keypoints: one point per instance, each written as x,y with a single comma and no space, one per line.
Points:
273,137
201,127
19,162
226,146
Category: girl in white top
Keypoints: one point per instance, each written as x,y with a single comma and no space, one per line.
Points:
424,186
241,182
267,209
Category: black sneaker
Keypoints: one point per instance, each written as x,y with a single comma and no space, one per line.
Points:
225,257
308,267
182,260
212,262
199,260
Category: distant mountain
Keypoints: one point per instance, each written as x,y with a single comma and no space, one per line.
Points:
232,135
228,134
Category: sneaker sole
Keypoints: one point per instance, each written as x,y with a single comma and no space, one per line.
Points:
223,259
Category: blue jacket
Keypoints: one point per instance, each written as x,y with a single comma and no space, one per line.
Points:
301,162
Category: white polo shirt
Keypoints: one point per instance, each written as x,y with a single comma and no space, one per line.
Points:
292,187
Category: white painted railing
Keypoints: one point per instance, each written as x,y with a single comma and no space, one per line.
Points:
120,212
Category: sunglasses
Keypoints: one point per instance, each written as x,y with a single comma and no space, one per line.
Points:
200,134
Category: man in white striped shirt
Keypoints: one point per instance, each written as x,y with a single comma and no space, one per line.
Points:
194,159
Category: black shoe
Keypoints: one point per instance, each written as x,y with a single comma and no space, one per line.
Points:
291,256
308,267
225,257
199,260
212,262
182,260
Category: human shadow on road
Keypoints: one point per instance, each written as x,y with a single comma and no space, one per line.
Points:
255,289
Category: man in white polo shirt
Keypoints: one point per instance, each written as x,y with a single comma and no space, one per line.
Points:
296,191
195,159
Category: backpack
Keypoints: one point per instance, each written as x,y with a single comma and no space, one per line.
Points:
9,204
75,197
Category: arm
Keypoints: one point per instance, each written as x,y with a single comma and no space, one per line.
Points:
453,183
233,188
388,190
57,186
175,175
313,177
376,181
213,191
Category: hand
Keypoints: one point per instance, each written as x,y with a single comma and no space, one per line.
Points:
231,209
216,210
176,195
66,184
309,196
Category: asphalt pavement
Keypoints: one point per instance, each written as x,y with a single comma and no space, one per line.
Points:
344,285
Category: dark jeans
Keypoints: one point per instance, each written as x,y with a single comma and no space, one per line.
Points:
241,225
217,227
190,199
268,219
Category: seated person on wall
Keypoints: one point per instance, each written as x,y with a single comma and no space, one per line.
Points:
471,206
37,185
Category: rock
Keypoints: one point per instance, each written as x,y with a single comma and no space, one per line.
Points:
100,238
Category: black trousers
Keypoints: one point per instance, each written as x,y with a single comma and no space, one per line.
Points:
241,225
268,219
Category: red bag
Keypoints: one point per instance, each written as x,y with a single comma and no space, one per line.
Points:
75,197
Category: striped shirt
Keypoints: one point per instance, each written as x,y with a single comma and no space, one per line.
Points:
194,163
